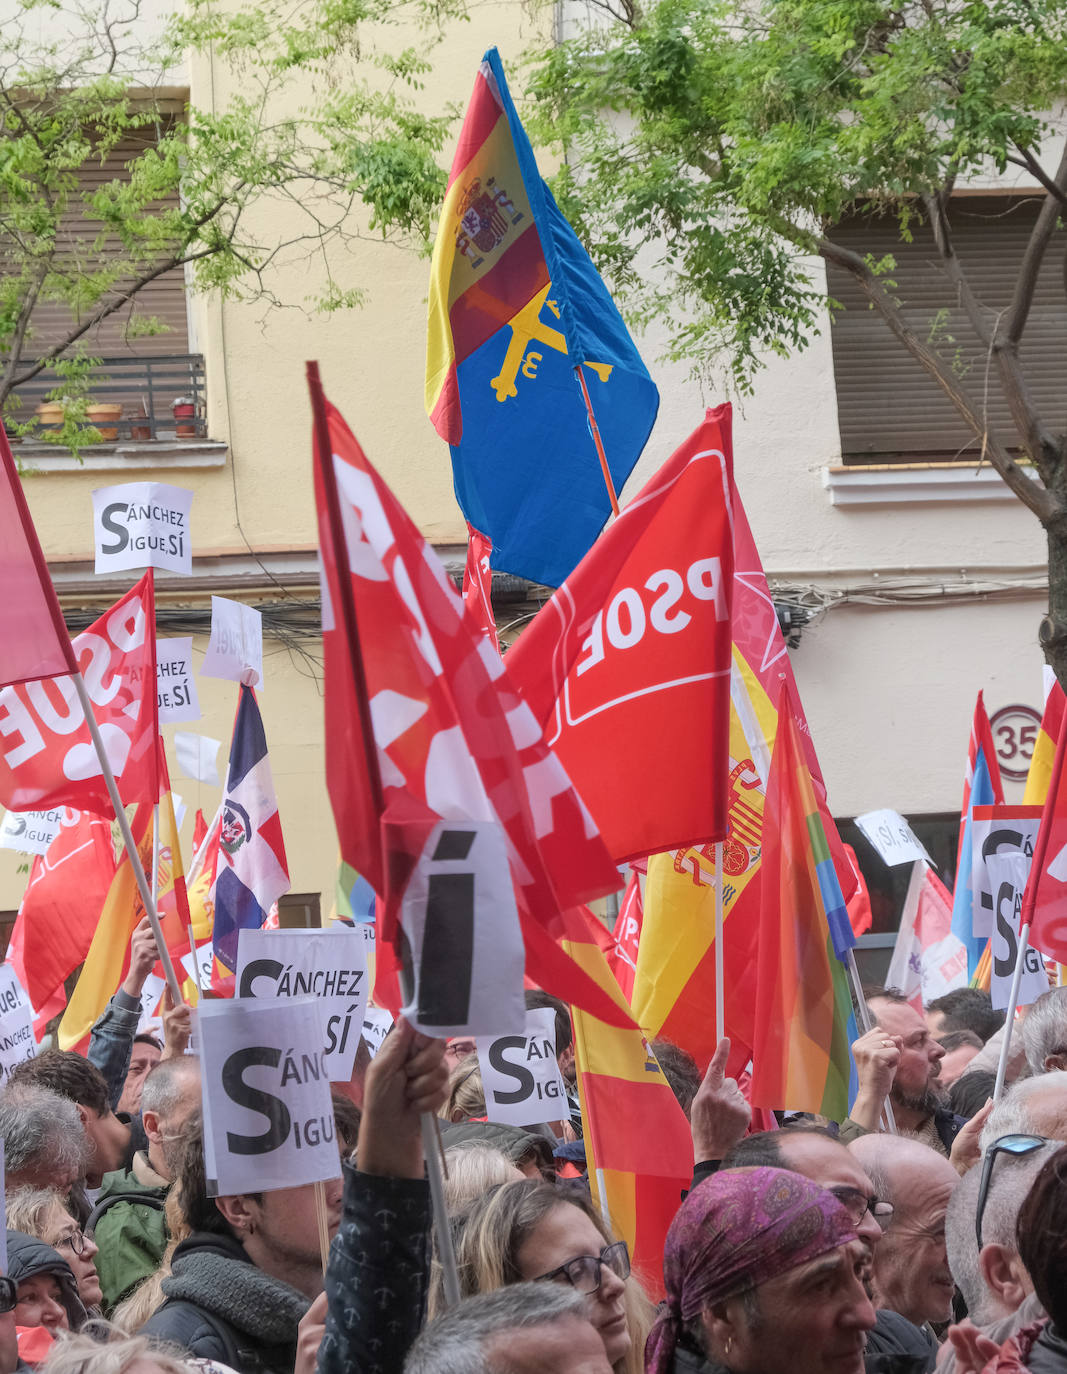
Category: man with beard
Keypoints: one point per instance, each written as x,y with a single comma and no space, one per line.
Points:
900,1059
130,1225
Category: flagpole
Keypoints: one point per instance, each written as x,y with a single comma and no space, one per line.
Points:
594,429
155,855
1013,1002
347,610
866,1024
137,867
720,971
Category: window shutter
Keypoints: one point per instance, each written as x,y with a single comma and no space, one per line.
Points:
888,408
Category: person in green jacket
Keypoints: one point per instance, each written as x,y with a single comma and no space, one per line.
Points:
128,1221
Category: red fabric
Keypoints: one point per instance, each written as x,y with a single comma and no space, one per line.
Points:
622,959
860,915
199,830
453,737
48,757
32,630
478,585
62,904
34,1343
1045,898
635,647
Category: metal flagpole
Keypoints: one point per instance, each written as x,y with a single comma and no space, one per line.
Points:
720,972
865,1025
1013,1002
141,880
595,431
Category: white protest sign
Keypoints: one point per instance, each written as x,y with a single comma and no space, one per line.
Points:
142,525
235,649
151,997
176,681
268,1116
377,1023
17,1042
997,830
1008,873
198,964
459,915
197,756
892,837
330,965
522,1081
31,832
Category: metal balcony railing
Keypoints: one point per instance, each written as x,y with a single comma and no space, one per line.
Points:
162,399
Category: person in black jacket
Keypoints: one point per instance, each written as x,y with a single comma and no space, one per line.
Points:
46,1292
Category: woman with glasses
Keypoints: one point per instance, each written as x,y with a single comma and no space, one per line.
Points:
41,1212
530,1230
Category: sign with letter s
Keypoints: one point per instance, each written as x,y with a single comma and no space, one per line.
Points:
268,1116
997,830
1007,873
520,1075
142,525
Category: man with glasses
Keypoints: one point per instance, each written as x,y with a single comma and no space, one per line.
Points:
911,1273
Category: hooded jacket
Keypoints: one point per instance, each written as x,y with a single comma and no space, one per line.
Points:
131,1229
27,1257
220,1306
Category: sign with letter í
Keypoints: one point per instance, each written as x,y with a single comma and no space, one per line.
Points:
31,832
235,649
522,1081
459,915
1007,873
142,525
176,681
997,830
17,1042
329,965
892,837
268,1117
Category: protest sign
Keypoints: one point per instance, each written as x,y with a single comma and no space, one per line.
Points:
17,1042
522,1082
1008,872
235,649
197,964
197,756
377,1023
31,832
151,997
892,837
268,1116
997,830
330,965
142,525
176,681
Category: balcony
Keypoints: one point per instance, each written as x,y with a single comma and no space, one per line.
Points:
148,411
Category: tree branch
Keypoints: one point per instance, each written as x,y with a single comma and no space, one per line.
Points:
1023,297
1029,163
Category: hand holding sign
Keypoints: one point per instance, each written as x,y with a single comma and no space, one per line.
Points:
407,1077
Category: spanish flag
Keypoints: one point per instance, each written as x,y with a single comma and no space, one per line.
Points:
638,1144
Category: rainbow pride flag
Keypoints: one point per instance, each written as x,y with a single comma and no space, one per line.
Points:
515,306
804,1018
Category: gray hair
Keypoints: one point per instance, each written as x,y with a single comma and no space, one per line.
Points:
1012,1115
90,1354
457,1341
1044,1029
41,1131
1012,1178
166,1084
28,1209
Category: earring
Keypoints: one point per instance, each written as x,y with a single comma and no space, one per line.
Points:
251,1228
728,1346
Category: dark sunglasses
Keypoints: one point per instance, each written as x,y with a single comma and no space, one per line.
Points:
8,1293
585,1272
858,1204
1018,1145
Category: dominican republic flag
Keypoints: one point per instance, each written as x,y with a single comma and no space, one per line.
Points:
252,871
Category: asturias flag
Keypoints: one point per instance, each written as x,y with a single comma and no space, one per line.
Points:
515,307
252,871
801,1057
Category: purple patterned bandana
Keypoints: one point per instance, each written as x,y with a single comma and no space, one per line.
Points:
735,1231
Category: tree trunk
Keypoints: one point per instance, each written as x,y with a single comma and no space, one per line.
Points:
1052,633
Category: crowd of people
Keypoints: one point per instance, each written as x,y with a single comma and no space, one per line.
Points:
927,1230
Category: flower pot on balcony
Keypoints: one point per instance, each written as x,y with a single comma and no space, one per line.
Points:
50,413
103,417
184,409
140,431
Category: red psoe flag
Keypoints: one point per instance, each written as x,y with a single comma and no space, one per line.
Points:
46,752
1045,898
627,669
423,727
478,585
34,642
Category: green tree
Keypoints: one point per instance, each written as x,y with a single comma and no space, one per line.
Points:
324,142
724,141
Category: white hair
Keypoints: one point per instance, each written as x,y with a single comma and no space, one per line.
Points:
457,1342
1044,1029
1013,1114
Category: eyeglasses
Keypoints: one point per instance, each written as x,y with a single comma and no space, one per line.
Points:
1017,1145
8,1293
585,1272
75,1242
857,1205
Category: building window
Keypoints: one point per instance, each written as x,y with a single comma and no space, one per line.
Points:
889,409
